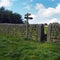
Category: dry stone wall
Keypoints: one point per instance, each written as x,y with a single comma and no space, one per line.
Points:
53,32
20,30
35,31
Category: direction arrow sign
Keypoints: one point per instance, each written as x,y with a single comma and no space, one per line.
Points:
28,17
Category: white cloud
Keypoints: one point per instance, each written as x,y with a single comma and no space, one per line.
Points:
54,20
39,6
5,3
46,15
47,12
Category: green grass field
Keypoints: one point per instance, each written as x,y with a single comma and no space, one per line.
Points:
16,48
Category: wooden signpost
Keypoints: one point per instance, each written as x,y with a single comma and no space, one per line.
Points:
27,18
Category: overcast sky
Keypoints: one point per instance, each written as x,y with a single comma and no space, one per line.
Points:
43,11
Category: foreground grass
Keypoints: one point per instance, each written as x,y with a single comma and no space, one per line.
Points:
16,48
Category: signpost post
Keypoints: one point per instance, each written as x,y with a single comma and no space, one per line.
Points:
27,18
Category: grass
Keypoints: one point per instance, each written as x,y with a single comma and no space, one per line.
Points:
17,48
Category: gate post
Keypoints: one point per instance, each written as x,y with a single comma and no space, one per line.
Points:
41,32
